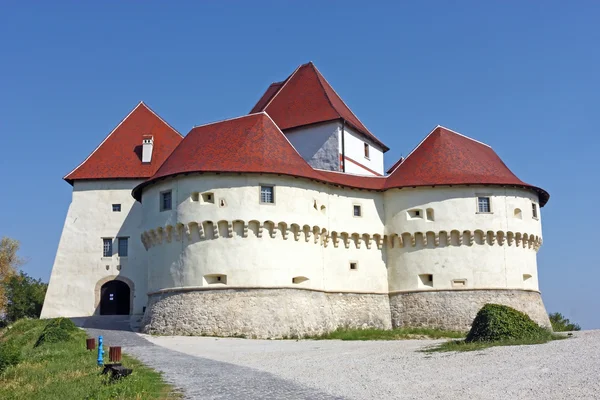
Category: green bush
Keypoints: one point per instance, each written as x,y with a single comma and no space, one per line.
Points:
495,322
62,323
57,330
562,324
10,354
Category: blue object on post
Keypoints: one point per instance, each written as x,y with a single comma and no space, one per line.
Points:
100,352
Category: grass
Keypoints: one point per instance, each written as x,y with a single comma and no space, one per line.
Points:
65,370
391,334
462,345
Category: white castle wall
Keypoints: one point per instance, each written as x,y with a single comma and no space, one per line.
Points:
311,232
79,268
245,239
492,253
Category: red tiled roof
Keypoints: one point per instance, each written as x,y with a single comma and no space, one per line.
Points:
119,156
254,144
445,157
305,98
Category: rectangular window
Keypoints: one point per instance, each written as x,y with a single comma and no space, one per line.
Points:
353,265
366,150
123,247
116,208
165,201
483,205
357,210
267,194
107,248
534,210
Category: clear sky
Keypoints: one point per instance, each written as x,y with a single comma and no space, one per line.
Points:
520,76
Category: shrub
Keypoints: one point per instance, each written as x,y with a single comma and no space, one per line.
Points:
57,330
562,324
62,323
10,354
495,322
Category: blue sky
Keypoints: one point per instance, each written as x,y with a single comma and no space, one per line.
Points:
520,76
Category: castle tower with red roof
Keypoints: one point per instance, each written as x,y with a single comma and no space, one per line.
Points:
282,223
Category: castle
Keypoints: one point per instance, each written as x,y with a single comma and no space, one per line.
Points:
284,223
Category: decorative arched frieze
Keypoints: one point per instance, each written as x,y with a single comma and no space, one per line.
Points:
223,229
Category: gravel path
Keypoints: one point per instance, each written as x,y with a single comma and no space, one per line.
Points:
197,377
397,370
217,368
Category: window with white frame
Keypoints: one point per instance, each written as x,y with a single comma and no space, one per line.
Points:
116,208
165,200
357,210
483,204
123,246
107,247
267,194
534,210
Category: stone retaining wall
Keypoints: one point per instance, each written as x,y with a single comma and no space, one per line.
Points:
262,313
456,309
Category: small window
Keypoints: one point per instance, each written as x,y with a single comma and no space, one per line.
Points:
195,196
123,247
518,213
107,248
366,150
357,210
412,214
353,265
429,213
299,279
116,208
165,201
208,198
267,194
459,282
215,279
534,210
426,280
483,205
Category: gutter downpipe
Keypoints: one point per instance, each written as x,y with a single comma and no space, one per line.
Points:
343,147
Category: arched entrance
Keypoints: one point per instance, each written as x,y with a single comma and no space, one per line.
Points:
115,298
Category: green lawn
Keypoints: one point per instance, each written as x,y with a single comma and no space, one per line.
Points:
461,345
389,334
65,370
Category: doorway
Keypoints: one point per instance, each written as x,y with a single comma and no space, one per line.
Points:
115,298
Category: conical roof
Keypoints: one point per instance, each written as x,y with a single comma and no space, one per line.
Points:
250,144
305,98
446,157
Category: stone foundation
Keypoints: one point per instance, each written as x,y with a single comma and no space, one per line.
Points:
262,313
456,309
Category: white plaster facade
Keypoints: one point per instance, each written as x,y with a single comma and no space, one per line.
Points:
79,264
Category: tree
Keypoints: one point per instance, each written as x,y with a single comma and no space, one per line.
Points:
562,324
25,296
9,264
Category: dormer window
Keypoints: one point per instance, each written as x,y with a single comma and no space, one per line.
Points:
366,150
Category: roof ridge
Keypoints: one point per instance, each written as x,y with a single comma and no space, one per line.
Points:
106,138
319,76
226,119
285,82
325,91
159,117
460,134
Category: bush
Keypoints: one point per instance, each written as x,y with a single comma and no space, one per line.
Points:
10,354
57,330
562,324
495,322
62,323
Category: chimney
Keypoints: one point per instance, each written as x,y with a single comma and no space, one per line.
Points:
147,145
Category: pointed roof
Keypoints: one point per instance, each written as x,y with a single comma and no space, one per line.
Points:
119,156
305,98
250,144
446,157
